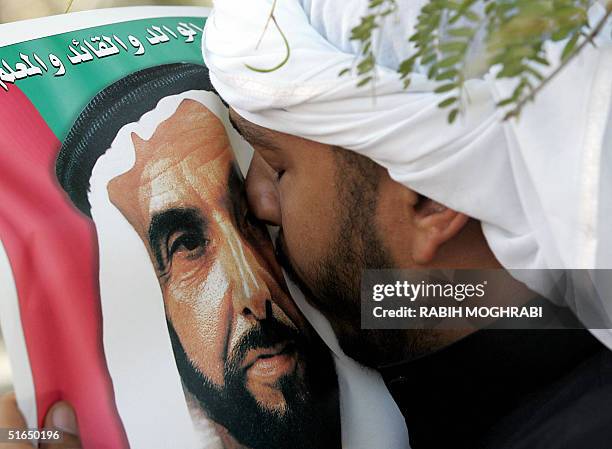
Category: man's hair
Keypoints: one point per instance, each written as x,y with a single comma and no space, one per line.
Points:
123,102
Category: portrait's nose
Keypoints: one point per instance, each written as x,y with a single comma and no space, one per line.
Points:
256,303
261,191
250,294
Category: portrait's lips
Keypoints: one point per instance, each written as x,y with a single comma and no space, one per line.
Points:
270,364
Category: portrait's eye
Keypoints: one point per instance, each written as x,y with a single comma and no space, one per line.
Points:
189,244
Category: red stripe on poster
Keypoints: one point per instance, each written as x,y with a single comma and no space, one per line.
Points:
53,252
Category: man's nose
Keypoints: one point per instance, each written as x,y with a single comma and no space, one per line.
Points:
261,191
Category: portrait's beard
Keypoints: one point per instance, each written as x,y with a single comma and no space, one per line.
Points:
310,418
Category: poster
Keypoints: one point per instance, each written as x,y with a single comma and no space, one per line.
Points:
135,283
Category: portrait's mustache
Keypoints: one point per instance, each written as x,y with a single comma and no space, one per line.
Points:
266,334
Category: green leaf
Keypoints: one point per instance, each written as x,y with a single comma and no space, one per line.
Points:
561,33
540,60
472,16
433,71
569,47
445,88
462,32
428,59
344,72
366,65
450,61
448,75
364,81
452,6
446,103
453,46
407,65
511,70
505,102
452,116
415,37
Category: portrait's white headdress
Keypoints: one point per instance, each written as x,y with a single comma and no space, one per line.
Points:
135,332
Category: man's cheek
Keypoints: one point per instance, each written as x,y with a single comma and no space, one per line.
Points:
308,217
302,238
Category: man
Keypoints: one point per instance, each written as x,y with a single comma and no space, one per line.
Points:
416,193
525,216
248,359
479,392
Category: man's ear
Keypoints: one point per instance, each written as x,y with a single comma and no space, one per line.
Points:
435,225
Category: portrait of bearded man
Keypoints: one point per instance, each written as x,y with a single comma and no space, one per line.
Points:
249,362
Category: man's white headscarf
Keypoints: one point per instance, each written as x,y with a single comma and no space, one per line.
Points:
541,187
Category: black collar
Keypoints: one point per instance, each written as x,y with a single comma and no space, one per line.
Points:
452,398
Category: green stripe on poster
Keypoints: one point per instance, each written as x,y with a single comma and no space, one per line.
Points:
62,73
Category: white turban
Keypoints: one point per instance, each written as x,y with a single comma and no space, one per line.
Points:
541,187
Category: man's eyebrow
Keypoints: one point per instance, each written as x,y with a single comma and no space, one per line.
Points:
165,223
253,134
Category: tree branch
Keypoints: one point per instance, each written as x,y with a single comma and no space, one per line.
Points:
69,7
588,39
272,18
